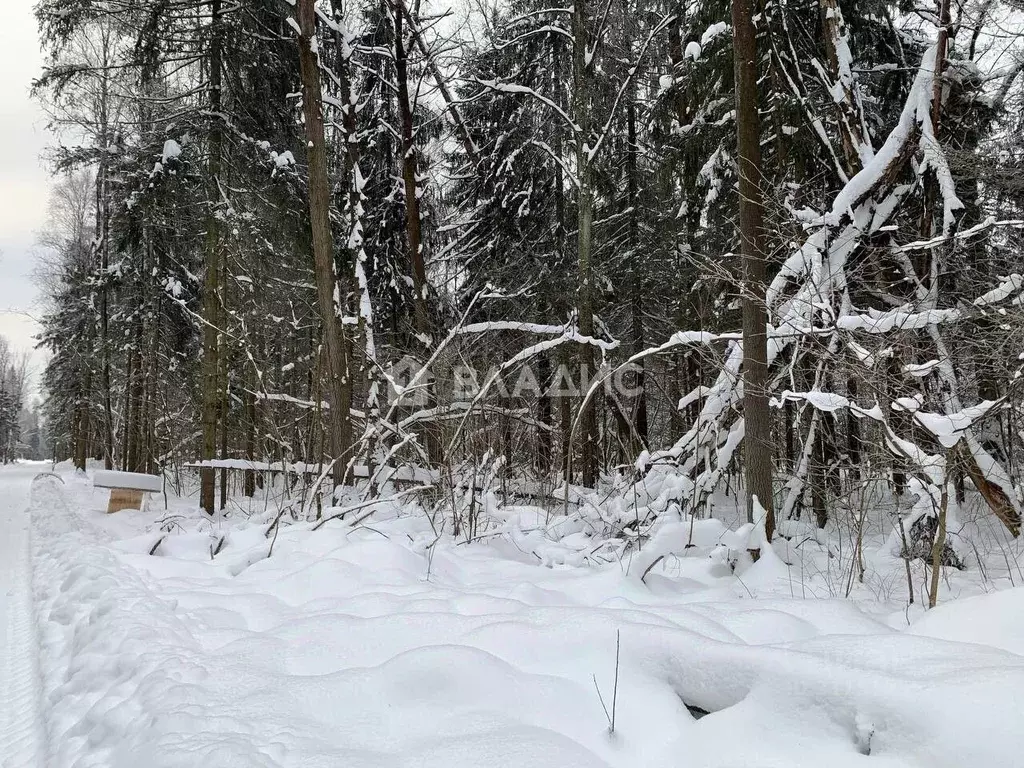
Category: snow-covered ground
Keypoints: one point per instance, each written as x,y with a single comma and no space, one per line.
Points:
383,644
21,731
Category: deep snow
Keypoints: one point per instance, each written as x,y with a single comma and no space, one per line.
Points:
384,645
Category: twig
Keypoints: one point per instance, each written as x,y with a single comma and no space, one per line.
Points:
906,556
277,520
615,685
364,504
215,550
610,717
603,706
275,527
657,560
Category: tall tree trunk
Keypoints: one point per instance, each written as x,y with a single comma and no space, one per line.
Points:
758,447
130,397
542,461
339,389
561,359
82,419
413,214
211,283
152,378
581,114
351,202
636,273
103,235
249,478
224,360
103,139
413,222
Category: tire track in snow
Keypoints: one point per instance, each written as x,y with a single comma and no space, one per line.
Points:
21,726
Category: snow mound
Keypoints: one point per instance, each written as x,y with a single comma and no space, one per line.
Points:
996,620
386,646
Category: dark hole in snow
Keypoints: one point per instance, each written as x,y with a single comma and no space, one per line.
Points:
696,711
864,733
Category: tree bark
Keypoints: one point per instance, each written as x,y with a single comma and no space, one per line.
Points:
351,202
103,236
636,273
82,419
560,245
581,114
758,446
413,222
413,214
249,478
211,282
224,360
339,389
542,461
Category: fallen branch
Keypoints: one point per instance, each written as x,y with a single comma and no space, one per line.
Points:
363,505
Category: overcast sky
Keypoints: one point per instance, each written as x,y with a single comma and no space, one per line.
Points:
23,180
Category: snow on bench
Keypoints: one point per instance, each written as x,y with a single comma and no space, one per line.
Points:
127,489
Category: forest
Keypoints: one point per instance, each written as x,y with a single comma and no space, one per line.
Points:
671,255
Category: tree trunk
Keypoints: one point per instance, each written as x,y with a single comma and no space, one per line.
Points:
153,379
249,478
561,359
758,446
102,238
413,216
581,114
224,360
339,390
352,204
81,438
544,413
636,275
854,444
413,223
130,410
211,283
103,230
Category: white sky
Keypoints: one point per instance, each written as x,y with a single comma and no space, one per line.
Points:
24,182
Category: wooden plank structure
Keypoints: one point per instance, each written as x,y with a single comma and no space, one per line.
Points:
401,476
127,489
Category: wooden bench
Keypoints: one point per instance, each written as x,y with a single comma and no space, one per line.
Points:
127,489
